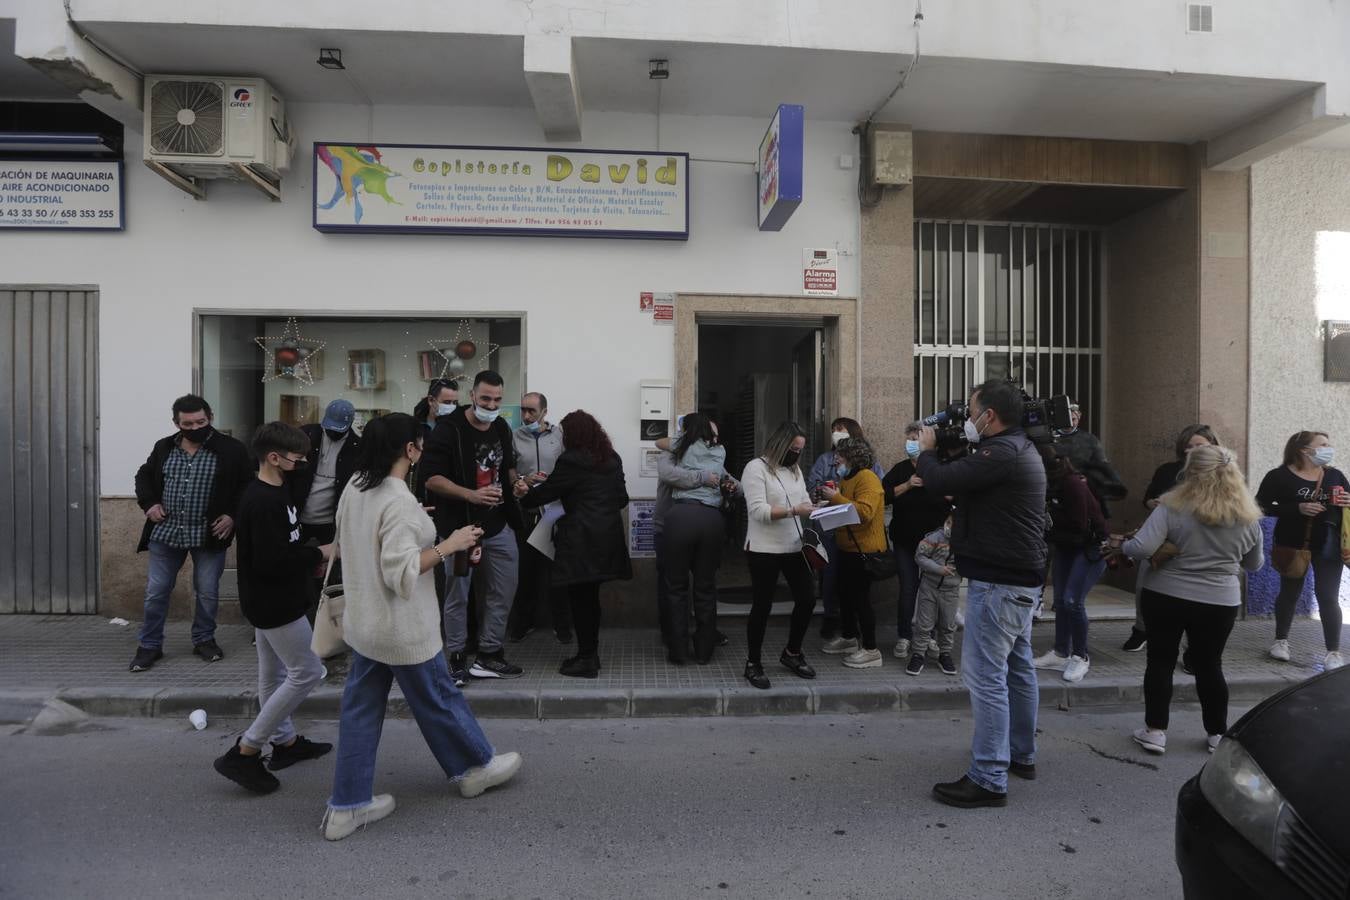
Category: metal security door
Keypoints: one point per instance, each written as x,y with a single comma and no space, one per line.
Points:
49,449
808,391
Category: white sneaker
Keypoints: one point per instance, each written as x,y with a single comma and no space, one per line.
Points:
837,646
1151,740
863,659
498,770
1334,660
1037,612
1212,742
901,650
339,823
1078,667
1280,650
1051,660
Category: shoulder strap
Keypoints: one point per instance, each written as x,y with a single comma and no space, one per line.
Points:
1317,492
787,499
328,572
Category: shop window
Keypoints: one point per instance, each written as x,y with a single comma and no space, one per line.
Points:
254,369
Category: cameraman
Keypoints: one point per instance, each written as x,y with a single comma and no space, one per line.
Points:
998,538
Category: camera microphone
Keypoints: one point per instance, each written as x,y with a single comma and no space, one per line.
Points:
937,419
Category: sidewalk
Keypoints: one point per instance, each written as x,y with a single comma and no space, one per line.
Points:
83,660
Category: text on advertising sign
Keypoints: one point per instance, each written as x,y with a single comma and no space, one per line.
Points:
500,190
780,168
60,195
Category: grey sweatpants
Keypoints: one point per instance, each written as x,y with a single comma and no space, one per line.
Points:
935,608
287,671
500,567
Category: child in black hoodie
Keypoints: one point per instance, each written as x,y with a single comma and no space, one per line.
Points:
273,568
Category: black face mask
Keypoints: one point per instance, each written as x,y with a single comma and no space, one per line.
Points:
790,458
335,436
196,435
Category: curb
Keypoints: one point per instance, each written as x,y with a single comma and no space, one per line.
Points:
621,703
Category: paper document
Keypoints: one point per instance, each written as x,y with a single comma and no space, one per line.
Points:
828,518
541,538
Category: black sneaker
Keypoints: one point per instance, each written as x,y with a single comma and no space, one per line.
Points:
754,673
494,665
564,635
145,658
915,666
1135,642
299,751
947,664
459,668
209,651
1025,771
247,771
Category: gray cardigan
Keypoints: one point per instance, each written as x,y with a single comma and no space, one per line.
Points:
1206,568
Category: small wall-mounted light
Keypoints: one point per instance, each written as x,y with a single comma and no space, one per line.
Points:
331,58
658,69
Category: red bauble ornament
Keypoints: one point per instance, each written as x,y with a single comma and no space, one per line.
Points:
287,356
466,349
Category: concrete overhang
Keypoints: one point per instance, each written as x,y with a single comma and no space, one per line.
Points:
1300,120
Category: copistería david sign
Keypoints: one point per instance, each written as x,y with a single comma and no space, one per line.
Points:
56,195
500,190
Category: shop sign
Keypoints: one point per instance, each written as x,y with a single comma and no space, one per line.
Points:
820,272
500,190
663,309
56,195
641,529
780,168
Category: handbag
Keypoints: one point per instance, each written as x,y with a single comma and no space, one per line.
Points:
328,639
1292,562
813,546
878,566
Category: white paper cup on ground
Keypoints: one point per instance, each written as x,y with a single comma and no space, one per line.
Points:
198,719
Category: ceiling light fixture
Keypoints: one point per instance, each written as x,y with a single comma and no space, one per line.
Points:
331,58
658,69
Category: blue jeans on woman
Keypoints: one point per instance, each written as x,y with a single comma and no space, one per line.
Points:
447,724
1074,576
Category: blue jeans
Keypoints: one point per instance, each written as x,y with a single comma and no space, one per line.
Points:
1074,575
908,569
165,561
996,667
448,725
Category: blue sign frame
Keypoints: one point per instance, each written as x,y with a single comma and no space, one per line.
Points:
780,164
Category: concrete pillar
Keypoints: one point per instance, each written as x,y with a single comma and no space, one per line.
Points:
886,315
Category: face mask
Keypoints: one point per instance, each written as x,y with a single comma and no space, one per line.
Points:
335,436
486,415
836,437
1323,456
842,470
445,409
972,433
534,427
196,435
296,465
911,449
790,458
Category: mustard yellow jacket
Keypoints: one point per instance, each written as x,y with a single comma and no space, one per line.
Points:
863,490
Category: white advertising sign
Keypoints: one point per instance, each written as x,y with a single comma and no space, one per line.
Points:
58,195
501,190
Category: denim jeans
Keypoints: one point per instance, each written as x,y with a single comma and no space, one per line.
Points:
908,569
996,668
165,562
447,724
1074,576
500,567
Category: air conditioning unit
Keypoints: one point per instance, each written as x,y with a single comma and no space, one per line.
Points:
200,127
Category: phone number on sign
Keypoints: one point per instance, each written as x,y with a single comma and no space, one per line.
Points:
60,214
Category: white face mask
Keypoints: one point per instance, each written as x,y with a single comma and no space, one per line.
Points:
1324,456
486,415
836,437
972,433
445,409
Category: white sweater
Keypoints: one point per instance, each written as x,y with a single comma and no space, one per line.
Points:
764,489
392,615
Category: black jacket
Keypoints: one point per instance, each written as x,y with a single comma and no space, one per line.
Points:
917,511
1088,456
1165,477
589,539
998,532
448,452
301,482
234,470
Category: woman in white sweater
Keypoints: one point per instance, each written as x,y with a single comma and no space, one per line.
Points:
776,498
388,547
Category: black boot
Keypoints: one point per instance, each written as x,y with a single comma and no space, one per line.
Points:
583,665
754,673
967,794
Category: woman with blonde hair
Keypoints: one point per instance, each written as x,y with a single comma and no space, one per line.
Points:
1196,538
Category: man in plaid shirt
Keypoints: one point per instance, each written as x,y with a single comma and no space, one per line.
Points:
189,487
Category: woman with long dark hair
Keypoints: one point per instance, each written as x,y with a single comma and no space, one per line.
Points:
1306,495
859,485
388,547
590,546
776,499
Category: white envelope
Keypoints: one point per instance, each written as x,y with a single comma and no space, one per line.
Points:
541,538
828,518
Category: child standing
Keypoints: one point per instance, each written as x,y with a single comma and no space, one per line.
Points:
938,601
274,568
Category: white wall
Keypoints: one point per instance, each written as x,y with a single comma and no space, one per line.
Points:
586,341
1300,201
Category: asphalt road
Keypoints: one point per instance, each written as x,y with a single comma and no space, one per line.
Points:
822,806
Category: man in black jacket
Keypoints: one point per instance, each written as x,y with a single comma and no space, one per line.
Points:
316,486
998,537
189,489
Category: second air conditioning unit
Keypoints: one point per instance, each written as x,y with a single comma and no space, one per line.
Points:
202,127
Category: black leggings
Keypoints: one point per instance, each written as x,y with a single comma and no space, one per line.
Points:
1327,588
857,619
1207,627
585,602
764,569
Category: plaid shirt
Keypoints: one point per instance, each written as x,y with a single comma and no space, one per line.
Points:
188,481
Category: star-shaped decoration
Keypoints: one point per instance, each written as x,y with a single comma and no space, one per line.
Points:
290,355
461,350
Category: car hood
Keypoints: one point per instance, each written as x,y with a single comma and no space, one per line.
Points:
1301,739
